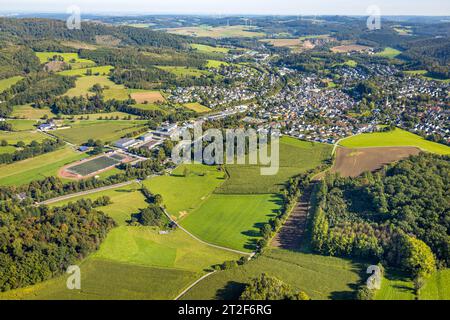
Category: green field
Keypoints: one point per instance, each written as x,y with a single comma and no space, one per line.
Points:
388,52
13,137
321,277
183,194
184,72
395,286
216,63
209,49
397,137
232,221
23,125
218,32
98,116
197,107
112,90
7,149
296,156
8,82
106,131
28,112
102,71
39,167
68,56
437,287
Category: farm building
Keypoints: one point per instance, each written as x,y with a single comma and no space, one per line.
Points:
167,130
146,137
125,143
46,126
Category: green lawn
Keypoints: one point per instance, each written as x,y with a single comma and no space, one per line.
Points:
397,137
321,277
395,286
8,82
232,220
39,167
183,194
102,71
296,156
107,131
437,287
389,53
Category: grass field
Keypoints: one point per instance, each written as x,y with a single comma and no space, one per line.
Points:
216,63
296,156
424,74
183,72
107,131
183,194
39,167
232,221
395,286
142,96
321,277
13,137
102,71
388,52
7,149
437,287
22,125
149,106
8,82
197,107
68,56
397,137
99,116
218,32
28,112
84,84
209,49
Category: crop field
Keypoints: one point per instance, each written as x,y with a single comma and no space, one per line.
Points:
84,84
9,82
283,42
218,32
209,49
350,48
101,71
147,96
28,112
388,52
397,137
13,137
68,57
89,167
296,156
183,194
353,162
232,220
321,277
184,72
197,107
107,131
39,167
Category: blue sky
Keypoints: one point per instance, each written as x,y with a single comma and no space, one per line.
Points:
296,7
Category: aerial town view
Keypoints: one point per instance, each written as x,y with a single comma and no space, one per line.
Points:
210,150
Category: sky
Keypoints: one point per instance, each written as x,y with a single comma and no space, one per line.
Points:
217,7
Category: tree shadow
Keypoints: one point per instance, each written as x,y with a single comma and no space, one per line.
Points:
231,291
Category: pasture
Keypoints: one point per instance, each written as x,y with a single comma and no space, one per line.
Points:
237,31
28,112
22,124
111,90
39,167
13,137
232,221
9,82
216,63
321,277
68,57
389,52
197,107
437,287
296,156
147,96
395,286
106,131
208,49
182,194
289,43
397,137
101,71
350,48
184,72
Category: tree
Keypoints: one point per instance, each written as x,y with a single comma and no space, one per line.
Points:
419,258
270,288
3,143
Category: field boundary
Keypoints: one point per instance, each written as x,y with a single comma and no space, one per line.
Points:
194,284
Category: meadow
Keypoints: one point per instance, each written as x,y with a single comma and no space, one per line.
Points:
68,57
106,131
321,277
28,112
13,137
209,49
296,156
8,82
111,90
22,125
182,194
397,137
39,167
232,221
183,72
102,71
216,63
218,32
143,96
437,287
388,52
197,107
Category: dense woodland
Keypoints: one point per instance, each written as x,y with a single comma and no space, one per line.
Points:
399,215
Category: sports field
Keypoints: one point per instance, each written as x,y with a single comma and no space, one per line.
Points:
8,82
232,221
39,167
106,131
97,164
397,137
296,156
197,107
321,277
84,84
182,194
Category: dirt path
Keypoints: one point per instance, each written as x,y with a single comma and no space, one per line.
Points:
293,231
